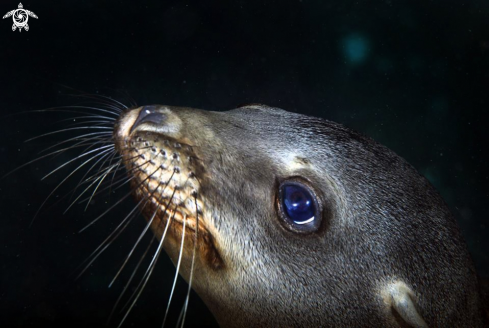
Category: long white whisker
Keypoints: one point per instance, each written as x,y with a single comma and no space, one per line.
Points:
84,191
61,109
131,252
92,122
113,235
176,272
107,101
149,270
98,185
193,262
100,171
99,136
128,283
70,129
117,203
107,119
41,157
56,188
97,175
150,221
111,147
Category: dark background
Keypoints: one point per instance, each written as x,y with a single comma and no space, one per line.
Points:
414,75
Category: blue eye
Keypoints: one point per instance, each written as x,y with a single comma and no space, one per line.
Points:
299,206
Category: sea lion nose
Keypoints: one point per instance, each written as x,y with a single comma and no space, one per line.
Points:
149,114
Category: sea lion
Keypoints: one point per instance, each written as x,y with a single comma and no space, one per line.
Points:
289,220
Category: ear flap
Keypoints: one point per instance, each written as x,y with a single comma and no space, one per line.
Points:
401,301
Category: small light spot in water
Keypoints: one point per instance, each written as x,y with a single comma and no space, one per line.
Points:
355,48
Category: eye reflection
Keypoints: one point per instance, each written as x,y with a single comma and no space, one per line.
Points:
298,203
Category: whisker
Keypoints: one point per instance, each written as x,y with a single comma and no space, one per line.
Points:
150,268
62,109
117,231
122,181
84,191
41,157
128,283
111,147
70,129
112,236
176,272
98,185
109,120
88,180
83,94
132,102
103,104
56,188
105,100
193,261
99,136
68,109
147,225
98,174
146,276
115,171
118,202
118,167
94,122
100,171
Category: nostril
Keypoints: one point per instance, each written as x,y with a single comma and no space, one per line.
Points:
149,114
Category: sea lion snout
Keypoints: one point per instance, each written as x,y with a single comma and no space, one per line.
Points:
149,114
152,118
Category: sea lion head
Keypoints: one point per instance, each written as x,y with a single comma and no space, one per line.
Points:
296,221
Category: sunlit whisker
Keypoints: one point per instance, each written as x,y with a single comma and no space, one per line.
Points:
127,97
98,136
66,178
86,118
69,110
41,157
98,185
193,262
84,191
121,181
101,149
96,175
70,129
177,270
139,262
114,234
128,282
104,245
148,225
93,122
119,201
106,101
150,221
150,269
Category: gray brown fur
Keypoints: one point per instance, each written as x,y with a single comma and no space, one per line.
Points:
383,222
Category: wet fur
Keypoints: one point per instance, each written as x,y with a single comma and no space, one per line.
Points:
383,222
